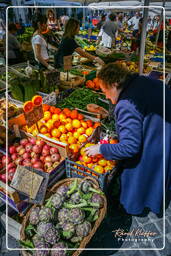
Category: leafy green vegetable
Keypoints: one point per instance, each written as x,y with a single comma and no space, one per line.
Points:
27,244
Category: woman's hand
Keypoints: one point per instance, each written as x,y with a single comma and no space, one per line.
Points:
93,150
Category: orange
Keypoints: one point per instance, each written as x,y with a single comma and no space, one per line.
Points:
47,115
74,114
84,124
113,141
69,127
72,140
52,109
57,110
81,130
43,129
67,112
56,124
89,123
35,132
62,117
49,124
98,169
62,129
45,107
82,138
86,159
63,138
89,145
76,135
47,135
89,131
56,133
95,159
90,165
107,168
74,148
69,120
82,152
80,117
76,123
102,162
55,117
96,125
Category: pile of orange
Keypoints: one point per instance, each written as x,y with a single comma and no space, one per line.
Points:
67,126
96,163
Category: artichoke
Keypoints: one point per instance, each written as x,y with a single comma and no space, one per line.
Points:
97,199
52,236
42,228
76,216
86,186
62,190
37,239
75,198
76,239
45,214
61,252
41,252
57,200
83,229
34,216
68,230
63,215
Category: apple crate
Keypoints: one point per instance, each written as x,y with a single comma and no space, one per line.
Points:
75,170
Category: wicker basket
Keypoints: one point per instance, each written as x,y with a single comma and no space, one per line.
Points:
75,82
87,239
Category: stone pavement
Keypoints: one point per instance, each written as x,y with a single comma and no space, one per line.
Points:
106,236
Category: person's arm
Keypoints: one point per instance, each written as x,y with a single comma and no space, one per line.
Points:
130,21
129,124
15,43
87,55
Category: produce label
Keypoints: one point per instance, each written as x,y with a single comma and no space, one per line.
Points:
34,116
26,181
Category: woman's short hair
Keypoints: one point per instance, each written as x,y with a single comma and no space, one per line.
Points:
112,17
71,28
113,73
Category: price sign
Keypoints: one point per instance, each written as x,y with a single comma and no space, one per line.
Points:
33,110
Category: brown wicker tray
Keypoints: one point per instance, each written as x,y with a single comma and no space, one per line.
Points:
87,239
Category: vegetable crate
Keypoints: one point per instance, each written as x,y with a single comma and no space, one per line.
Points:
75,170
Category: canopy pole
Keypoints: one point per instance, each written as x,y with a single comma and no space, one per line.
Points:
160,22
143,37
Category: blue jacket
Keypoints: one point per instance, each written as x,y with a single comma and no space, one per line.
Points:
139,120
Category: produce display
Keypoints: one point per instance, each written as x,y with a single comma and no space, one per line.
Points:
96,163
13,110
67,126
66,219
80,98
85,44
133,67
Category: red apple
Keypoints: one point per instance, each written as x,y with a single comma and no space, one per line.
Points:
18,148
23,142
28,147
12,149
18,160
42,158
38,165
3,177
26,155
55,158
11,165
21,152
53,150
37,149
34,160
32,141
14,156
48,165
40,143
47,147
34,155
48,159
26,162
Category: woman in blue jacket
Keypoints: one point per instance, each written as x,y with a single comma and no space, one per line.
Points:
139,120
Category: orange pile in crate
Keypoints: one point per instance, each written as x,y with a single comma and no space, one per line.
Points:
97,163
67,126
93,84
